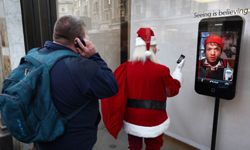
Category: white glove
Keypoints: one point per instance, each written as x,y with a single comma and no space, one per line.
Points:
177,72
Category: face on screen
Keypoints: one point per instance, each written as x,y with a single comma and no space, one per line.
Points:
217,56
212,53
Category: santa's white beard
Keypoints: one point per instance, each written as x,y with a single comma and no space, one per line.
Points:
140,54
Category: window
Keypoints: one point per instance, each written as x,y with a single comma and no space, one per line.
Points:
103,31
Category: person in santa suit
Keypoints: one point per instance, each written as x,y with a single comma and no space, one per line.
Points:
140,104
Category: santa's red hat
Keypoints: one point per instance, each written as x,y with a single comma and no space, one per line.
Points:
215,39
145,37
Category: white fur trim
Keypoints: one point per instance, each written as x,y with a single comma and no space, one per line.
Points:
139,42
177,75
147,132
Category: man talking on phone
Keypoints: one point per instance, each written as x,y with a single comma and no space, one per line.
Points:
75,82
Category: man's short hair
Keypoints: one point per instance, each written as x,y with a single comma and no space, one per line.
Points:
67,28
215,39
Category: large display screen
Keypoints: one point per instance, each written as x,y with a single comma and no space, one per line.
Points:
218,50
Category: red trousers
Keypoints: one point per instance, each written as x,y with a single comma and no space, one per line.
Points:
135,143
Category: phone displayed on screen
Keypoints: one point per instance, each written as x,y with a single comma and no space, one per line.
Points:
83,42
180,58
217,58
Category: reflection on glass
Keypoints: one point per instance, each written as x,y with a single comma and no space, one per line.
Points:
4,47
4,53
103,21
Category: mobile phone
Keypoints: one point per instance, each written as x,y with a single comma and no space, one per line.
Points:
180,58
219,80
83,42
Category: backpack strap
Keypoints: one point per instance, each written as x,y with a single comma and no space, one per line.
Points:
50,58
37,58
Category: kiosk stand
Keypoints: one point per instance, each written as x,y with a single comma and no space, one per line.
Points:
218,49
215,122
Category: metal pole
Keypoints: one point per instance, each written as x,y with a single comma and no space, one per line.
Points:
215,122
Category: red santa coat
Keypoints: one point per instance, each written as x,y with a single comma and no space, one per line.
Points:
140,81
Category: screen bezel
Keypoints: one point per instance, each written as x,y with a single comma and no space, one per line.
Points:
211,87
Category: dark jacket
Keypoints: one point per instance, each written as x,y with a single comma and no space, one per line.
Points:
209,72
76,82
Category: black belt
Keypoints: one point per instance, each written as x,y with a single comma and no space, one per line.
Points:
148,104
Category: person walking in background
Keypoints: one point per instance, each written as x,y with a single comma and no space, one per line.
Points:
75,82
140,105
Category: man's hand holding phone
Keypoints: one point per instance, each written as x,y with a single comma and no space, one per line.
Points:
87,49
181,61
177,74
